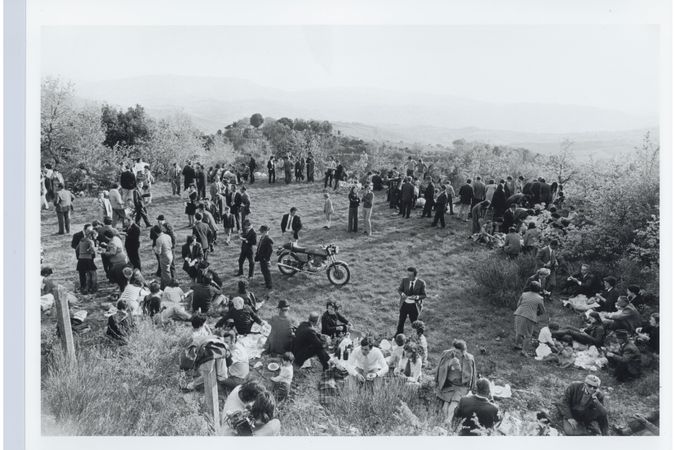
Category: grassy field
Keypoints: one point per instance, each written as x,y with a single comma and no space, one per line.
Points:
443,258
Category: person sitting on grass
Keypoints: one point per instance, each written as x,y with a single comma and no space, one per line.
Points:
541,277
200,329
241,398
280,339
649,334
583,409
367,362
120,324
593,334
282,382
244,317
420,339
584,283
455,377
238,370
626,363
309,343
512,243
332,322
608,296
640,425
258,420
410,365
396,350
248,296
476,412
203,294
626,316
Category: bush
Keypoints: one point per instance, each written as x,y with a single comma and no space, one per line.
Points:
502,280
119,391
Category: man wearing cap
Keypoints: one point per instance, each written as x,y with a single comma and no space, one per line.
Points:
308,343
583,409
627,362
264,253
248,239
280,339
412,291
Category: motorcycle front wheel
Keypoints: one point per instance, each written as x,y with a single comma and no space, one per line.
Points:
338,273
288,259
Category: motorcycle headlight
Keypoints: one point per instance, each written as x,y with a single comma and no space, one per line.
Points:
337,249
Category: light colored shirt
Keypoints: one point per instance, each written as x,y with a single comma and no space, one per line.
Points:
115,199
233,403
373,362
545,336
239,367
415,368
285,375
163,246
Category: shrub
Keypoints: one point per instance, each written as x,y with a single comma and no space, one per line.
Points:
502,280
131,390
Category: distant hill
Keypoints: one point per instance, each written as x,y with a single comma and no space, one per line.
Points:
397,116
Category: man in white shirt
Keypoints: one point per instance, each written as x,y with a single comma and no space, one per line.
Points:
366,361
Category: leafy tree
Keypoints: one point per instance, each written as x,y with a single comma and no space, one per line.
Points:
125,128
56,120
257,120
562,165
285,121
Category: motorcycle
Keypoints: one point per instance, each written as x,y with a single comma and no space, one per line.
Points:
293,259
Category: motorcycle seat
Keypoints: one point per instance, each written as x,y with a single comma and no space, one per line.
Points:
318,251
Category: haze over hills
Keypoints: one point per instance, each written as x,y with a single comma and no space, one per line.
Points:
379,114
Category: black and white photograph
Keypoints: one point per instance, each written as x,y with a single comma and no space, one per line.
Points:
361,227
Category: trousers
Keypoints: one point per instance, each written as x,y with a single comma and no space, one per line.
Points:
407,310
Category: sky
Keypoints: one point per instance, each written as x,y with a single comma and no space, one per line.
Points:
607,66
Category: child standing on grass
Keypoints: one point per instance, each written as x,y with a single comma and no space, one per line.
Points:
328,209
282,382
103,205
228,223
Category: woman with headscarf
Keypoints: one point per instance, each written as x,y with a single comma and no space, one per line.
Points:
498,201
455,377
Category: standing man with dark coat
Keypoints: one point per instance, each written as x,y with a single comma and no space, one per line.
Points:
545,194
248,239
188,175
291,221
132,243
288,170
202,234
339,174
264,253
412,291
252,166
168,229
310,168
478,192
429,193
200,177
407,194
271,170
441,204
465,200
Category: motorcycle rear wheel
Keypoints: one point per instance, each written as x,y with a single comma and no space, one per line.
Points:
338,273
288,259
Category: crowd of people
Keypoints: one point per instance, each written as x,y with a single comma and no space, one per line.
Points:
528,215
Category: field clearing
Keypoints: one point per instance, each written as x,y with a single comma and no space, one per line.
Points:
442,257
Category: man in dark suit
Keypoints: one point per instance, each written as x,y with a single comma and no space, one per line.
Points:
545,194
412,291
407,194
272,170
252,166
584,283
77,237
188,175
478,192
132,243
441,204
429,193
248,240
292,221
264,253
308,343
477,410
202,233
192,253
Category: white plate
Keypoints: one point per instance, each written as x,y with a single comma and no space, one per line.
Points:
273,367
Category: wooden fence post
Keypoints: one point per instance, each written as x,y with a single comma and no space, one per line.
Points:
63,320
211,393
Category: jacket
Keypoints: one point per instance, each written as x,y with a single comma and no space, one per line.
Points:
407,192
418,288
530,306
265,249
202,233
576,403
330,322
486,413
308,343
251,240
468,370
441,202
295,225
546,257
478,190
512,244
196,253
465,194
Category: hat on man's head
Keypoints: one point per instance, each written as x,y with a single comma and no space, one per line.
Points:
160,217
283,304
592,380
263,228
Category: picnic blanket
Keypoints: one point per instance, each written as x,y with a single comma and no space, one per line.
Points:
581,303
590,359
254,342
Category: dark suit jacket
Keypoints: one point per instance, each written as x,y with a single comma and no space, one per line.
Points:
166,228
486,413
441,201
189,174
418,288
429,192
196,253
296,224
75,243
407,192
544,256
251,240
202,233
308,343
133,239
478,190
265,249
